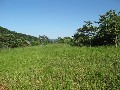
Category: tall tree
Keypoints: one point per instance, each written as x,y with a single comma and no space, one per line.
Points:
85,34
109,27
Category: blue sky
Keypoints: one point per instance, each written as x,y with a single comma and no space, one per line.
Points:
51,17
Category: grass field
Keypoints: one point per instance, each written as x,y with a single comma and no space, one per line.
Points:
60,67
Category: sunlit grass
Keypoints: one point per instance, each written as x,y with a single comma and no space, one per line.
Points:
60,67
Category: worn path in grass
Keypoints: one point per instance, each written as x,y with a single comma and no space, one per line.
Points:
60,67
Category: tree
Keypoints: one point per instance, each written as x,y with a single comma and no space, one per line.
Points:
67,40
85,34
60,40
43,39
109,28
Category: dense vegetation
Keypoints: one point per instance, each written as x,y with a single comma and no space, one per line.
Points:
12,39
107,32
60,67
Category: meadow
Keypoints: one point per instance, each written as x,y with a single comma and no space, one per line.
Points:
60,67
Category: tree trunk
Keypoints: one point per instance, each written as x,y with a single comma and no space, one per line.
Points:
116,41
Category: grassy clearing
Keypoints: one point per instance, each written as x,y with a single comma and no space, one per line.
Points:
60,67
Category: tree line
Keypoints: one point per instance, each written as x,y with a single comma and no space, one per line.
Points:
107,32
12,39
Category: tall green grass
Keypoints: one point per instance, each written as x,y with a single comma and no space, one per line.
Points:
60,67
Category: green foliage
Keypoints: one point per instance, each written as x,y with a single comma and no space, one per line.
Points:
43,39
11,39
60,67
67,40
80,39
109,28
107,33
60,40
85,34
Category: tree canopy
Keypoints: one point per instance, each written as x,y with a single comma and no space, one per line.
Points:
12,39
107,32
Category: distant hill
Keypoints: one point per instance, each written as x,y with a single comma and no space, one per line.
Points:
13,39
6,31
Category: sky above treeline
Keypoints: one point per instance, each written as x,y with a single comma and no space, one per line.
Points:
53,18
